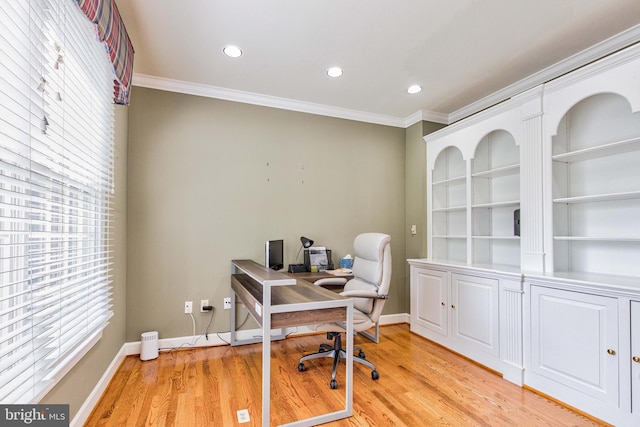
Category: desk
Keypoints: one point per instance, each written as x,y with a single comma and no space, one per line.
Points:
276,300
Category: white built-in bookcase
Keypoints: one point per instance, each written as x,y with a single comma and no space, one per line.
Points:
596,187
566,155
473,185
592,168
449,206
495,189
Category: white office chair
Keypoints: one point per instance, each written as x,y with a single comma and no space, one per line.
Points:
369,289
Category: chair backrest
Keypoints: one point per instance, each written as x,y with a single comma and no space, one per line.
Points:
371,271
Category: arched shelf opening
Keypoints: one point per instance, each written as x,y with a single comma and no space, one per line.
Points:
495,200
448,206
596,187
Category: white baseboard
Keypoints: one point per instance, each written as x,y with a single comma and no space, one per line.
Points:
95,395
223,338
390,319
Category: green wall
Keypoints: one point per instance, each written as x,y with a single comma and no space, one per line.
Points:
212,180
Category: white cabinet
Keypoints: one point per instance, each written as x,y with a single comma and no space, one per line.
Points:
458,309
429,297
574,345
473,307
635,357
582,333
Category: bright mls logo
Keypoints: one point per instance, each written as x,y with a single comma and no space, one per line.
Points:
34,415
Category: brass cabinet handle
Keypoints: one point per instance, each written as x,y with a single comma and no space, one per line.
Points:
453,306
611,352
636,359
442,303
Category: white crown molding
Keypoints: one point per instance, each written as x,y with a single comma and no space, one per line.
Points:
611,61
179,86
593,53
428,116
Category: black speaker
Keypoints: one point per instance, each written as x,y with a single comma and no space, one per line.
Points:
516,222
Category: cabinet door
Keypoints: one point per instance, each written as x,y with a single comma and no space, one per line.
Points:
429,300
474,314
574,341
635,357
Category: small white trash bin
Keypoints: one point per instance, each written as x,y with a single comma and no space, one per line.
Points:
149,345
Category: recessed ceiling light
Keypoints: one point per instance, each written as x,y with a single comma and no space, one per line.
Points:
414,89
334,72
232,51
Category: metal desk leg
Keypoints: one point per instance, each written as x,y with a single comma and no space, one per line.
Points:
266,355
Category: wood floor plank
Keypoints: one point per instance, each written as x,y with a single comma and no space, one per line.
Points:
421,383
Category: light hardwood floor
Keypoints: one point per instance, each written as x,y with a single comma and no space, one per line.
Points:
421,384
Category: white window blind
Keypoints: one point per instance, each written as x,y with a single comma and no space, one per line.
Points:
56,181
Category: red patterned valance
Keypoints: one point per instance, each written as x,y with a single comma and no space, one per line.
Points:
111,31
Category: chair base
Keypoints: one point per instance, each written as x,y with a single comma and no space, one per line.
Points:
336,352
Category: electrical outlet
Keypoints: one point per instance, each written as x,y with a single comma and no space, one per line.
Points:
203,303
227,303
188,307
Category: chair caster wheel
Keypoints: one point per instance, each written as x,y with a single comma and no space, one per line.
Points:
333,384
301,367
361,354
375,375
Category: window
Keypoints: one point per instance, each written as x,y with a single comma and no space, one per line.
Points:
56,183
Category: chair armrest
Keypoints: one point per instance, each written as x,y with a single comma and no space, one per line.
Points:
363,294
331,281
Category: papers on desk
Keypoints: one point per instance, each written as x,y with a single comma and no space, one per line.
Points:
340,272
318,256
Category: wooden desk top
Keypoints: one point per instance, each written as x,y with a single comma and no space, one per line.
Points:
251,293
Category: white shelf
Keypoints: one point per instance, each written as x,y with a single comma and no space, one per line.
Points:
497,204
450,209
597,239
451,181
496,237
618,147
599,197
498,172
446,236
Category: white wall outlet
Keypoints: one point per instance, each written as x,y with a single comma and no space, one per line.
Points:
188,307
227,303
203,303
414,230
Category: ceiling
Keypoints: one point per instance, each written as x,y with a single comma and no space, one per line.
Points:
463,53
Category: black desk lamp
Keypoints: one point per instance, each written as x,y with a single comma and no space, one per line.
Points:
299,268
306,243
